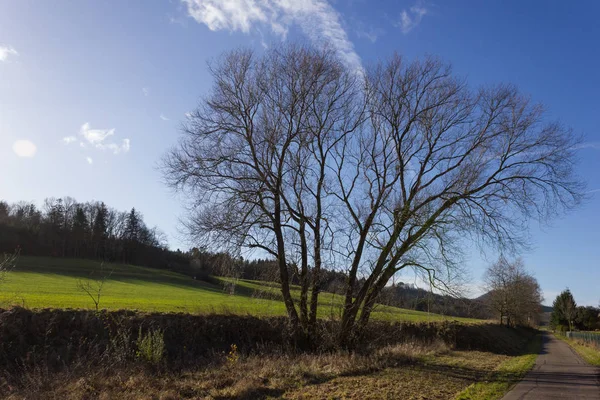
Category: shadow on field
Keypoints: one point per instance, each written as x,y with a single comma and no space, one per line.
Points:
130,274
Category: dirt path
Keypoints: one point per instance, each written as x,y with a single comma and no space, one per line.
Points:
559,373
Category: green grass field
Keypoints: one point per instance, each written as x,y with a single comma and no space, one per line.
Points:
42,282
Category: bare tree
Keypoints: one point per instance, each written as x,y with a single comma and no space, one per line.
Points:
442,163
7,263
255,155
513,294
94,285
370,173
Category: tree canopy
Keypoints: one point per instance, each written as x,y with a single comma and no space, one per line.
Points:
514,295
370,172
564,311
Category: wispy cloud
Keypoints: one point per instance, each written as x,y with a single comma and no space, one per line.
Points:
177,20
89,160
97,138
317,19
164,118
146,91
24,148
411,18
6,51
116,148
587,145
69,139
372,34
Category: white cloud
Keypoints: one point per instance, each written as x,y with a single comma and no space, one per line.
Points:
24,148
97,138
6,51
69,139
89,160
410,19
371,33
164,118
317,19
146,91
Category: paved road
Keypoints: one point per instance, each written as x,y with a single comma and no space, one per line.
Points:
559,373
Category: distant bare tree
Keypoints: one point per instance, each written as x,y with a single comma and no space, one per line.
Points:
7,263
513,294
94,285
366,172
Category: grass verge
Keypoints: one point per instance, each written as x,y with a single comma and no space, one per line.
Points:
497,383
588,352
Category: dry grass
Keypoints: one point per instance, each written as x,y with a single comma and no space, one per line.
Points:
407,371
424,362
498,381
247,378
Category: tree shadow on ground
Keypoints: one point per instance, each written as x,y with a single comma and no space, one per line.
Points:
131,274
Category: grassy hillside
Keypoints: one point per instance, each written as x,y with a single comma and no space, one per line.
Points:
40,282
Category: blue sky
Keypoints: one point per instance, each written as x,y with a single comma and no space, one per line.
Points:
92,92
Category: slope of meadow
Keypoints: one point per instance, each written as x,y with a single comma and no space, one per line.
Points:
43,282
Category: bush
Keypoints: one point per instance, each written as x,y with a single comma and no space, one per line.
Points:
561,328
120,349
151,346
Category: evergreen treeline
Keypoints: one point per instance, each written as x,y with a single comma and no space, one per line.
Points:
63,227
567,315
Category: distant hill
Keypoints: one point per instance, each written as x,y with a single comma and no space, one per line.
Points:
407,296
484,297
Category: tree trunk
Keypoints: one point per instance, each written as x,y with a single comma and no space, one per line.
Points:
347,325
304,282
316,276
314,298
372,297
283,270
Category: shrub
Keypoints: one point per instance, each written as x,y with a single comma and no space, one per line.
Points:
119,348
151,346
233,355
